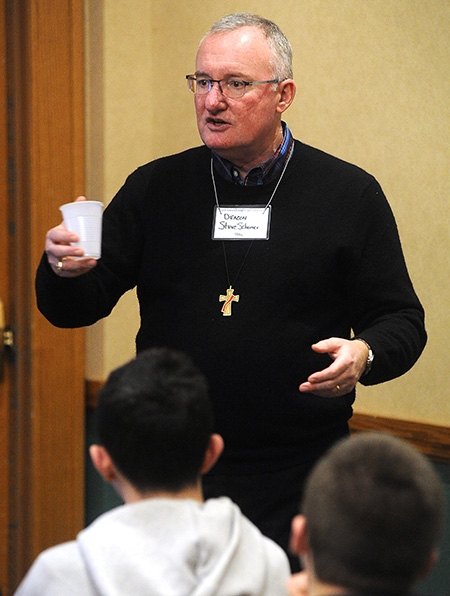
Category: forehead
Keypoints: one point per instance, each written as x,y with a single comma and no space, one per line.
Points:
234,52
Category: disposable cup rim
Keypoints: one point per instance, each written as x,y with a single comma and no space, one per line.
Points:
81,202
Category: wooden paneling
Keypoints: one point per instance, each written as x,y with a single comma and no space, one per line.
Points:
431,439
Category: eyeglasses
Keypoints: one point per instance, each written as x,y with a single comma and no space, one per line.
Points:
231,87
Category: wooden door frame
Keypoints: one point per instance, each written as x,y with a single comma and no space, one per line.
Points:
46,156
5,369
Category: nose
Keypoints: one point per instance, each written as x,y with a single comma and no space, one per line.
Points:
214,97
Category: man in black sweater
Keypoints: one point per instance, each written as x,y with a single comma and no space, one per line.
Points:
277,267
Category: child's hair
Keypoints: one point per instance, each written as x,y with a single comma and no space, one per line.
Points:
374,510
155,419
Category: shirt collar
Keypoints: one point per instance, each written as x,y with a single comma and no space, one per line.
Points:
265,172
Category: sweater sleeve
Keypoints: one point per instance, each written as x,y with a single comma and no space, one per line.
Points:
387,313
83,300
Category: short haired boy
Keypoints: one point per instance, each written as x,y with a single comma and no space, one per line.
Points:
371,521
155,429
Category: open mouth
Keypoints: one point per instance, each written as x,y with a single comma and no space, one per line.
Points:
216,121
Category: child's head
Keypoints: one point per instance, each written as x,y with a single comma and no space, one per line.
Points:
155,420
374,514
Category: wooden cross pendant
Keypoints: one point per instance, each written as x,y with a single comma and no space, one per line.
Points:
227,300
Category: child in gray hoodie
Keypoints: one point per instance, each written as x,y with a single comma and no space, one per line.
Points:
155,431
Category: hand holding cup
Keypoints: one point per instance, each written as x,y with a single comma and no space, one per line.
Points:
74,246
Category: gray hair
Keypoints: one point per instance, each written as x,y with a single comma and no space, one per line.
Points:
281,64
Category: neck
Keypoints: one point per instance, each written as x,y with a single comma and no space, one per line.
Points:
319,588
130,494
330,591
245,162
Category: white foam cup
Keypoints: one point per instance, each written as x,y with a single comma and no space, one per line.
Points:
85,219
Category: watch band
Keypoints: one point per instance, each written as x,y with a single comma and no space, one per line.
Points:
370,356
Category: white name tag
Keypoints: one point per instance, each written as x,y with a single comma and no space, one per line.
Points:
241,222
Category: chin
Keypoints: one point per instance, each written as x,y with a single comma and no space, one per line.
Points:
218,147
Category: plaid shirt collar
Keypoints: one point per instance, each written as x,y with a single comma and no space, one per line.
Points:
264,173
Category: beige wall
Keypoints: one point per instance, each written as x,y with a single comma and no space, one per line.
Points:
373,88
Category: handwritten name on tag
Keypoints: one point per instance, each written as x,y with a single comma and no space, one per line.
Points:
245,222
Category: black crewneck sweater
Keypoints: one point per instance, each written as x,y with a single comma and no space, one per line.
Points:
333,263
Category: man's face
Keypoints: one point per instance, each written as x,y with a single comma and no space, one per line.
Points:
246,129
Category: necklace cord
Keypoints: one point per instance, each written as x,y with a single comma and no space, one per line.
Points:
265,208
231,285
213,178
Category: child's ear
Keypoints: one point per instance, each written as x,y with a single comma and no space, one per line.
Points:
299,540
213,452
102,462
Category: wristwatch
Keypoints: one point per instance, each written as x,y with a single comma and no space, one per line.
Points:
370,356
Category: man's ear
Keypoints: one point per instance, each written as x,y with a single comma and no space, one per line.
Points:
299,539
213,452
102,462
287,94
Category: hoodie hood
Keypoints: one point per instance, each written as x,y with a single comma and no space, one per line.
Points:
181,547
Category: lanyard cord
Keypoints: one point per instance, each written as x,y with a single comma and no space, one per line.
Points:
265,208
288,159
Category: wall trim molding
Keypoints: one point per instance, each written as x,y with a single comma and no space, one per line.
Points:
430,439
